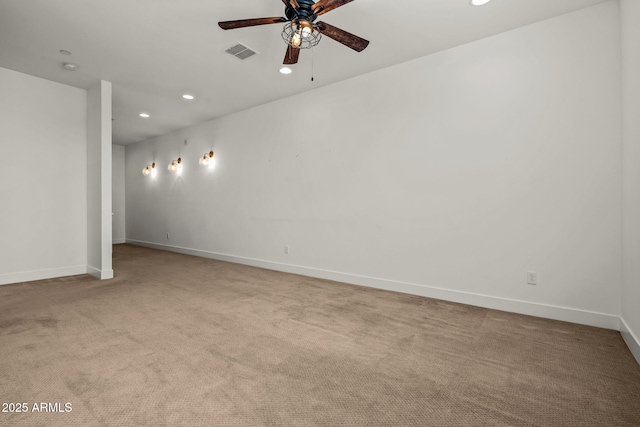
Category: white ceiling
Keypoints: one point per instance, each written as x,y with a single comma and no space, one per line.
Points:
153,51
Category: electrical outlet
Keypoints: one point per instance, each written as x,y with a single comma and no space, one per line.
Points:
286,249
532,277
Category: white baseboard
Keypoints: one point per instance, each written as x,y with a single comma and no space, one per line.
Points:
630,338
99,274
118,241
601,320
29,276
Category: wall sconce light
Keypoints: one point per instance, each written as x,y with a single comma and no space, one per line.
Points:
206,159
175,166
150,170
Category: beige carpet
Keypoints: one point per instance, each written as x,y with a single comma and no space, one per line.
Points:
178,340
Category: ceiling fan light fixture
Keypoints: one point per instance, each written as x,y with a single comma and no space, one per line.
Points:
300,31
301,34
479,2
285,70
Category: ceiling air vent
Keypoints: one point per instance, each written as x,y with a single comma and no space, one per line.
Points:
241,51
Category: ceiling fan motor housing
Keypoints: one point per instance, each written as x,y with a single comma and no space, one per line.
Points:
303,13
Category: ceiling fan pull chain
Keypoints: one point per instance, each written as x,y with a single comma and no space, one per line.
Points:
311,64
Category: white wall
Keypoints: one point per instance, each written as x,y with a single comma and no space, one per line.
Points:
118,192
43,178
630,12
449,176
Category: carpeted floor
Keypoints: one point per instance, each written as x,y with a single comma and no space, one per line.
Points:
178,340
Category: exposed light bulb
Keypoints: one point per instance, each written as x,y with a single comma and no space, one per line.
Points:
307,29
154,171
296,39
146,171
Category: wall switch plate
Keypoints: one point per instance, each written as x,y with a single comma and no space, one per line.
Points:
286,249
532,277
167,235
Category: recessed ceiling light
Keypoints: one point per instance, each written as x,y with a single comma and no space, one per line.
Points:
65,52
479,2
285,70
145,115
187,96
71,66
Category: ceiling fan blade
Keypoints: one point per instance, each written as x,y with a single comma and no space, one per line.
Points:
241,23
291,57
350,40
292,3
324,6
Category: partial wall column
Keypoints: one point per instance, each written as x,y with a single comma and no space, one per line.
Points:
99,181
630,327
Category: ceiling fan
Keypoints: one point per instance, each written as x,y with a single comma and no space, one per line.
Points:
300,30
